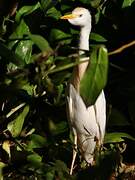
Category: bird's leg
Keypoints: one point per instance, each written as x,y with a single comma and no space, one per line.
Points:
74,153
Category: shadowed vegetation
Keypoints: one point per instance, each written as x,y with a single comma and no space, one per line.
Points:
37,54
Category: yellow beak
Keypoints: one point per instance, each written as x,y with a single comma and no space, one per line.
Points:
69,16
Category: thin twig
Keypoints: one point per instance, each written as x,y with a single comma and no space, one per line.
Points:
3,105
122,48
18,39
15,109
61,68
117,67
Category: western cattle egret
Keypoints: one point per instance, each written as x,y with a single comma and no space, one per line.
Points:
87,123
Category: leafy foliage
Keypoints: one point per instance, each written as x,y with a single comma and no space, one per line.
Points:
37,56
95,78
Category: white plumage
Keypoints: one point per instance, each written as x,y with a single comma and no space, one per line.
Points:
87,123
80,119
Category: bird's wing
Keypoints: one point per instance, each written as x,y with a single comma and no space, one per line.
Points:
82,118
87,147
83,121
100,111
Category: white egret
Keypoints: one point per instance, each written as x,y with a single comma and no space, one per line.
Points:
87,123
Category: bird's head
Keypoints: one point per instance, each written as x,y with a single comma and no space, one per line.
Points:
79,17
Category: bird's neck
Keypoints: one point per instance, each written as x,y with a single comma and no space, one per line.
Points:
84,38
81,68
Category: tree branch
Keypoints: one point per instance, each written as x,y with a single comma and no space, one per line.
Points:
122,48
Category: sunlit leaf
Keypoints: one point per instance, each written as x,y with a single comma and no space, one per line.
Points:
127,3
15,126
2,165
25,10
29,88
23,46
6,147
117,137
30,132
24,50
95,77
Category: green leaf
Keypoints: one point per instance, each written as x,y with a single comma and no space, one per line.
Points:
24,50
35,160
59,92
36,141
117,137
54,13
95,77
25,10
65,7
60,166
23,46
85,1
15,126
29,88
93,3
97,15
127,3
58,35
2,165
47,4
57,128
41,42
96,37
10,56
21,30
6,146
61,169
50,173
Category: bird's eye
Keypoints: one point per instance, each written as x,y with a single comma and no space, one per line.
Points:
80,15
